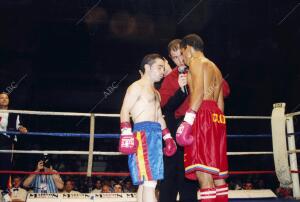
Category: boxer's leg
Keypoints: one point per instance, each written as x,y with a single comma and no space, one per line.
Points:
149,191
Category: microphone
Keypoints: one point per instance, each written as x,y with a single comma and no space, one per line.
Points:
183,70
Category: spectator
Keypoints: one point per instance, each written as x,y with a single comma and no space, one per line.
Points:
285,193
238,187
112,182
106,189
86,185
128,188
231,185
97,186
18,194
8,122
248,185
44,183
118,188
260,184
69,187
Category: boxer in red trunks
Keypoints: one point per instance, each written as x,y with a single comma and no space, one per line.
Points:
203,131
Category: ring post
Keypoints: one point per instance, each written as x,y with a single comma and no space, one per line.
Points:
293,156
91,146
280,151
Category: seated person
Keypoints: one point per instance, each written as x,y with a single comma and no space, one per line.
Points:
106,189
97,187
18,194
69,187
118,188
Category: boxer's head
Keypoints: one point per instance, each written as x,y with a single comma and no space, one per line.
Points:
189,45
4,100
153,66
175,53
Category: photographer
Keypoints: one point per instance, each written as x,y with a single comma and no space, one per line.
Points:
44,183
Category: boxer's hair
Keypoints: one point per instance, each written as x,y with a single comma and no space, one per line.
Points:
149,59
174,45
192,40
3,92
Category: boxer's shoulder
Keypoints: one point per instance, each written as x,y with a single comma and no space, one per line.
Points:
135,86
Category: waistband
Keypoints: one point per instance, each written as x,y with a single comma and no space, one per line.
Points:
208,103
146,125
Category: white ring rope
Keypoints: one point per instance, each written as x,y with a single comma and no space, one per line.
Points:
58,113
46,113
248,117
292,114
248,153
294,151
115,153
104,115
62,152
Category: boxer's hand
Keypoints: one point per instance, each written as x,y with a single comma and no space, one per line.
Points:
170,145
225,88
183,134
128,143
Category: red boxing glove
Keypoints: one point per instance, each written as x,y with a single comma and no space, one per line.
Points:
128,143
170,145
225,88
183,134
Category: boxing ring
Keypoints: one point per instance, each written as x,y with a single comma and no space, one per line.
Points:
283,141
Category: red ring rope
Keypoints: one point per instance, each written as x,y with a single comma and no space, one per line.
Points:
125,174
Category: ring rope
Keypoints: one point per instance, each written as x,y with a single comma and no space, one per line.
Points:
284,118
248,117
87,135
126,173
115,153
62,152
293,114
103,114
63,173
119,153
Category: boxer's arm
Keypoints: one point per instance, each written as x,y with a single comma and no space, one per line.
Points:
132,94
221,100
170,145
161,120
197,85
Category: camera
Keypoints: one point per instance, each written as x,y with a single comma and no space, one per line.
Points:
46,161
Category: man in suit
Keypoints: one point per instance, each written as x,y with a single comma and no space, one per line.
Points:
8,122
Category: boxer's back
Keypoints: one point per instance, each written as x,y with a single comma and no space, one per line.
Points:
212,79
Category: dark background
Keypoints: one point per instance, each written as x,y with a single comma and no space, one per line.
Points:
65,54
